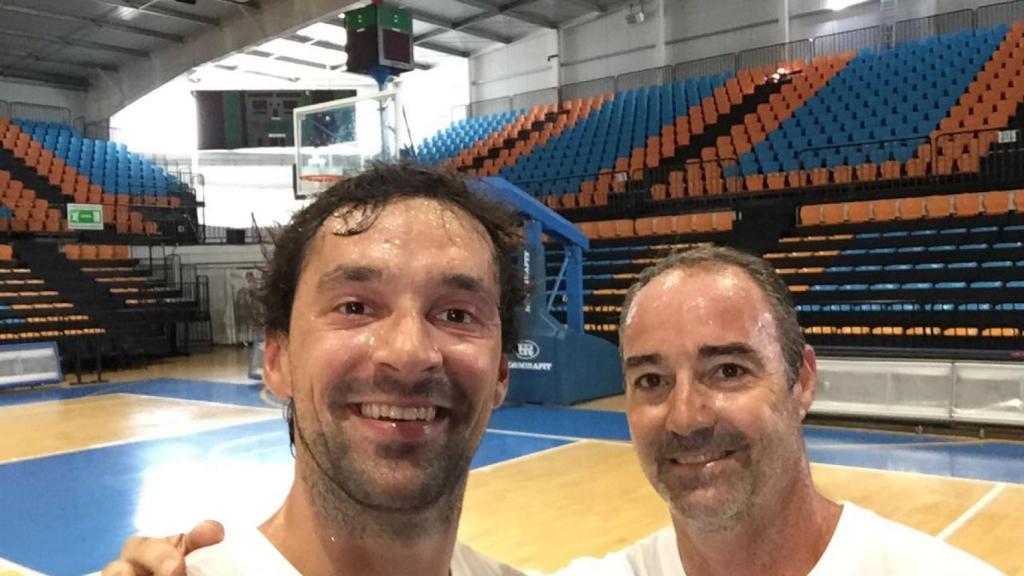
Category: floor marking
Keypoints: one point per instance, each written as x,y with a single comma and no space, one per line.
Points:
8,567
901,445
521,458
972,511
906,473
555,436
165,436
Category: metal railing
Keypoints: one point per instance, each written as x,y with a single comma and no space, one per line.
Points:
5,109
937,25
535,98
492,106
643,78
709,66
39,113
588,89
871,37
774,54
1002,13
990,155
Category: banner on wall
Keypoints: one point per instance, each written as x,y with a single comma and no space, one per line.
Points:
241,315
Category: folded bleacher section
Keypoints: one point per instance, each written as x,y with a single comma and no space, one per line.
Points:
93,300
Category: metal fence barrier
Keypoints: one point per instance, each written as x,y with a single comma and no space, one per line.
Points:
492,106
535,98
588,89
40,113
851,40
643,78
1003,13
704,67
5,109
937,25
774,54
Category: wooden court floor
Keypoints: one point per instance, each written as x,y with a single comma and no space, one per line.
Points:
572,497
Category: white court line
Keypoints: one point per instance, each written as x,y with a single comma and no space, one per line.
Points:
521,458
554,436
905,473
17,568
972,511
157,436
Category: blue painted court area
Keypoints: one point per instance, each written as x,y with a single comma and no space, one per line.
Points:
69,513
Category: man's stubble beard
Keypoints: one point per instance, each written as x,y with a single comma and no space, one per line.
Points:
343,491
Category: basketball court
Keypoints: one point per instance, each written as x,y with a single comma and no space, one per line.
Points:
84,467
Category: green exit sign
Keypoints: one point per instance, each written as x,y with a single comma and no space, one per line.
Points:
85,216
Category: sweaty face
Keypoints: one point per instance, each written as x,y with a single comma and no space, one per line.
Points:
394,354
713,419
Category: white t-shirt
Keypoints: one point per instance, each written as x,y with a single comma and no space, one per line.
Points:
864,544
247,552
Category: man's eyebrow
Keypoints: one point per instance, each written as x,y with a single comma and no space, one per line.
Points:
464,282
731,349
643,360
347,273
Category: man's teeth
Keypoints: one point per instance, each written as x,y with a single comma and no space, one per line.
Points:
699,458
386,412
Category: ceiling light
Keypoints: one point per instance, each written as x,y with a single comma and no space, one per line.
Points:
837,5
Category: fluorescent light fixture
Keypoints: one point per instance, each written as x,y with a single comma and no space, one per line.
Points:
837,5
330,32
305,52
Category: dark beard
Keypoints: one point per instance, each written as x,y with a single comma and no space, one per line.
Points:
348,496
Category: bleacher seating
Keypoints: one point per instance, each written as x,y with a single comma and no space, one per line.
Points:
619,136
107,164
462,135
55,182
881,114
944,273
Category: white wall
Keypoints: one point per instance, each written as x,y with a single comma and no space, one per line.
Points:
12,91
522,66
678,31
163,121
429,97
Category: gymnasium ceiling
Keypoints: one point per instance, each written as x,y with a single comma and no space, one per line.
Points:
74,43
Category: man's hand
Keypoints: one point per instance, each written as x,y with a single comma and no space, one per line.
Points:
141,556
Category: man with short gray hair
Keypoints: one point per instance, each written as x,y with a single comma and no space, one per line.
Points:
718,382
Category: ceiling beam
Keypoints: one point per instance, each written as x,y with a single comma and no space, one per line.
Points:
55,80
99,22
78,43
490,10
256,72
61,62
148,8
288,59
443,49
314,42
589,5
241,3
447,25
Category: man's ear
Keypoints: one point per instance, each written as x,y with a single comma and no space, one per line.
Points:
276,367
807,381
502,388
